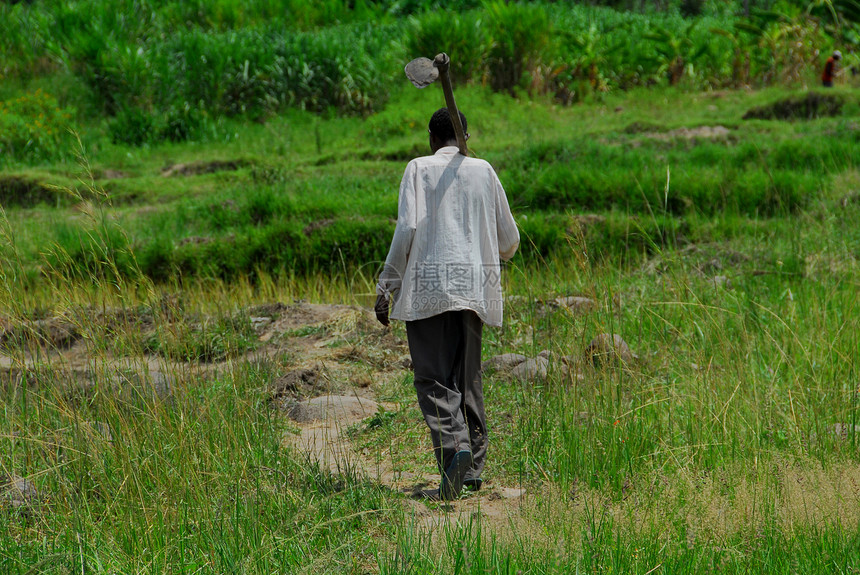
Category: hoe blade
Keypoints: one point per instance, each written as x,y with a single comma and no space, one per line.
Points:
421,72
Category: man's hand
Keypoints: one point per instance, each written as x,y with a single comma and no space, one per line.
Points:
381,309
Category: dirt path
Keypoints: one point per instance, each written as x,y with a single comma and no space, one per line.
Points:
336,352
323,423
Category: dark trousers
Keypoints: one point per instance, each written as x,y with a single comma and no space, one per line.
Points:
446,357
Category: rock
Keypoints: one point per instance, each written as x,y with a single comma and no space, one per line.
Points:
531,369
712,265
132,384
572,368
517,302
852,198
609,348
57,332
341,409
721,282
20,493
576,304
510,492
405,362
503,362
258,324
99,429
845,430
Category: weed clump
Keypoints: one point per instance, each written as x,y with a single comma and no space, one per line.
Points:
33,127
225,338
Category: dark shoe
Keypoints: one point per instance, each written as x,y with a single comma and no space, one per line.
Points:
452,480
473,484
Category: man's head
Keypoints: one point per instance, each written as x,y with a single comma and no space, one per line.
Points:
837,55
442,129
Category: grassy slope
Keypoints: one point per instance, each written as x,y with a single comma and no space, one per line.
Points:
693,461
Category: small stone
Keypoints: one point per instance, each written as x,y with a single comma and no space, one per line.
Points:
57,332
576,304
132,384
572,371
532,369
101,429
721,282
341,409
405,362
844,430
852,198
260,323
503,362
609,348
516,300
19,492
510,492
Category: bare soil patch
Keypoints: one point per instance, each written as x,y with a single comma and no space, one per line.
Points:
24,191
808,107
202,167
704,132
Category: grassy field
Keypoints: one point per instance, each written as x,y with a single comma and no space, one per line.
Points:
165,306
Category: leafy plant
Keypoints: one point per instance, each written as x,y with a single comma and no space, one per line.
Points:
222,339
462,36
34,128
132,126
519,35
675,52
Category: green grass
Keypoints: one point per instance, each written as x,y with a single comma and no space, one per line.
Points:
274,206
167,71
729,446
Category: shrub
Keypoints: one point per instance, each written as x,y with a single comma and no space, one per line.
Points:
461,36
164,88
132,126
182,123
520,35
34,127
210,341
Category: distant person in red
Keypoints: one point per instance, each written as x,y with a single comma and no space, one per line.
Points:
830,69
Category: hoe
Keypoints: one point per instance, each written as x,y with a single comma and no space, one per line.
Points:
422,72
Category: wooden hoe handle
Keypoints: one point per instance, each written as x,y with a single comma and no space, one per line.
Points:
442,62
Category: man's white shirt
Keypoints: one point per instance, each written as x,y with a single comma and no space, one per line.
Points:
453,225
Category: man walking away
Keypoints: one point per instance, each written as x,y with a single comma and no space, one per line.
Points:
830,69
443,271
